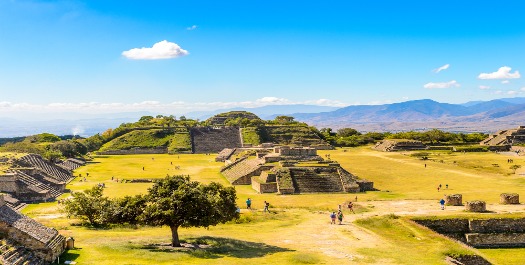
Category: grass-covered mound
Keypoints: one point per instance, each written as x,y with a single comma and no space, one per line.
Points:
172,140
299,134
289,134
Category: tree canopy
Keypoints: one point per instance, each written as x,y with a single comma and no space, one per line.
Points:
176,201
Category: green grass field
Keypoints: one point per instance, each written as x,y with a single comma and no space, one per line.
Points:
298,229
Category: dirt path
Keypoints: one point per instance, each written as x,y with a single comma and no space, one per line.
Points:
342,242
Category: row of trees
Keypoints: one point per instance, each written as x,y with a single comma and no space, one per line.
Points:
49,146
351,137
174,201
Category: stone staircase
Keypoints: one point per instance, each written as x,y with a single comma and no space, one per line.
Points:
33,183
244,168
49,168
498,139
398,145
17,255
71,164
213,140
306,180
14,203
225,154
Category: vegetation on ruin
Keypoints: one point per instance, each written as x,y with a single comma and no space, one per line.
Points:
50,146
153,138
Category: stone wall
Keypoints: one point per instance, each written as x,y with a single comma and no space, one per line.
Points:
497,225
365,185
8,183
496,240
446,226
45,242
263,187
295,151
495,232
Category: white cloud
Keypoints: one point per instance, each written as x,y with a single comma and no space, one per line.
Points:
272,100
522,89
502,73
512,92
176,107
484,87
192,27
505,81
160,50
439,69
449,84
498,92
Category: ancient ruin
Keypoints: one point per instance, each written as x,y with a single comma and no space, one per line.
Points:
288,170
505,138
481,233
454,199
213,140
391,145
25,241
476,206
509,198
32,178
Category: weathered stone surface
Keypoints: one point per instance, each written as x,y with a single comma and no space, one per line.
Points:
262,187
476,206
495,232
446,226
454,199
399,145
466,260
46,243
496,240
497,225
509,198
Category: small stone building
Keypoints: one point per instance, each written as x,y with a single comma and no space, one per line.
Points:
45,243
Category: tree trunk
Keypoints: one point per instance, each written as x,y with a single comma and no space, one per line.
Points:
175,236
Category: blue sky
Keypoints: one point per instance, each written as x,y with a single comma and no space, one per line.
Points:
77,56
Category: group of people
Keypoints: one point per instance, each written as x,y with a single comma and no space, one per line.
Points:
440,187
339,215
249,205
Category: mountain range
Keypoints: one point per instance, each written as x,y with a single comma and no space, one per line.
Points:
479,116
473,116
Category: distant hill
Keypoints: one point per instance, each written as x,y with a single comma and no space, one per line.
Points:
265,112
483,116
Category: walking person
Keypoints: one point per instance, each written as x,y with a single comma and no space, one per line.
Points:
266,206
351,207
442,202
332,216
340,217
249,204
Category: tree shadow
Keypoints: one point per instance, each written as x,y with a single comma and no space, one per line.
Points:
218,247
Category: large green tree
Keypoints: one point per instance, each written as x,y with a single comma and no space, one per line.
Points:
176,201
88,205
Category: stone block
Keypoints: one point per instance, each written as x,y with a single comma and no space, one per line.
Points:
476,206
509,198
454,199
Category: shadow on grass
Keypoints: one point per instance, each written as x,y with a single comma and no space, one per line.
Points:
218,247
68,256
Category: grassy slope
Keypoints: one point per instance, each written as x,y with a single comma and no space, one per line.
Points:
406,177
150,139
298,233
